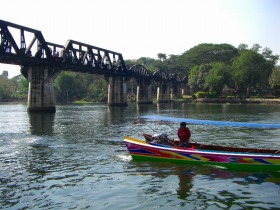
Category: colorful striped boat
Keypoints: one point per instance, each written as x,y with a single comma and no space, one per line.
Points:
221,156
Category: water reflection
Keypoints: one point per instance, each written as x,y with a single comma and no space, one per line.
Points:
185,183
143,108
41,123
115,115
192,180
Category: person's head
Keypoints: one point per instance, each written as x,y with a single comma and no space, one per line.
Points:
183,124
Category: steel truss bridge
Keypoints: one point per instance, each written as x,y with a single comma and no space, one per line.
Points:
25,46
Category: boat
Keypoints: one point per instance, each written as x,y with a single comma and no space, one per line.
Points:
203,154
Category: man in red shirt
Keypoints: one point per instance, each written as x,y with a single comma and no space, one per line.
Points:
184,134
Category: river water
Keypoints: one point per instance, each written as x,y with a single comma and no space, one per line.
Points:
76,159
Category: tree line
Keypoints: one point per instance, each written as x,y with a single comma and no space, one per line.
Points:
222,69
212,70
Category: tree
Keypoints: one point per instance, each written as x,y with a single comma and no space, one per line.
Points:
256,48
242,47
206,54
267,54
98,89
197,77
172,66
5,74
20,84
161,56
274,80
218,76
250,70
6,87
23,86
71,86
65,87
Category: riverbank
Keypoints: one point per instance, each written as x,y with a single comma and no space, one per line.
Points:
189,100
238,101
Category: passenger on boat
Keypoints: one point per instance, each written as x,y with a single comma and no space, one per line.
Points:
160,138
184,134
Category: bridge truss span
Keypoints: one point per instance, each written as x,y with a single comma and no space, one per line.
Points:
42,61
140,73
77,56
23,50
24,46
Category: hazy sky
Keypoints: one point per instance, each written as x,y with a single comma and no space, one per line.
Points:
144,28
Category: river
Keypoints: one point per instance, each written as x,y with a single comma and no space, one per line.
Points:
76,159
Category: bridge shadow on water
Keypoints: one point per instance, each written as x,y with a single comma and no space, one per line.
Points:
41,123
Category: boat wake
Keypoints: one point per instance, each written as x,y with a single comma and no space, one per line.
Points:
123,158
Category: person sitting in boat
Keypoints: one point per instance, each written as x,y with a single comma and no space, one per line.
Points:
184,135
160,138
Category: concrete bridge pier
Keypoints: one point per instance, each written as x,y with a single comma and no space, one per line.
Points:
185,90
144,94
41,96
176,92
117,91
163,94
172,93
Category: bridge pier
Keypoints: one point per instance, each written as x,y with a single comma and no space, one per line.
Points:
163,94
41,96
144,94
176,92
117,91
172,93
185,90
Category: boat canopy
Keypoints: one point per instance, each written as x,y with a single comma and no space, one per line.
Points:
210,122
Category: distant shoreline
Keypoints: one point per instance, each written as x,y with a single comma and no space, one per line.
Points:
238,101
199,101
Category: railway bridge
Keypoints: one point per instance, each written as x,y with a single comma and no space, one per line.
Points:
42,61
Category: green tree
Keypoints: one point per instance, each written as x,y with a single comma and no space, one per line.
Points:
5,74
98,89
161,56
65,87
191,64
242,47
197,77
6,87
20,84
256,48
71,86
274,80
250,71
267,54
193,79
218,76
206,54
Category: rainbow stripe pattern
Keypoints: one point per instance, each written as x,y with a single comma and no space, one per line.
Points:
140,150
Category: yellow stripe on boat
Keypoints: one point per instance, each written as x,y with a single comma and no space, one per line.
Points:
135,140
273,161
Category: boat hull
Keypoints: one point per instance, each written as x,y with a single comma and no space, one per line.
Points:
144,151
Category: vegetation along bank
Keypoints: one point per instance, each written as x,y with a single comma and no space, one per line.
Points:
218,73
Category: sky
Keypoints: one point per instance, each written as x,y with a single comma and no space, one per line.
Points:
144,28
